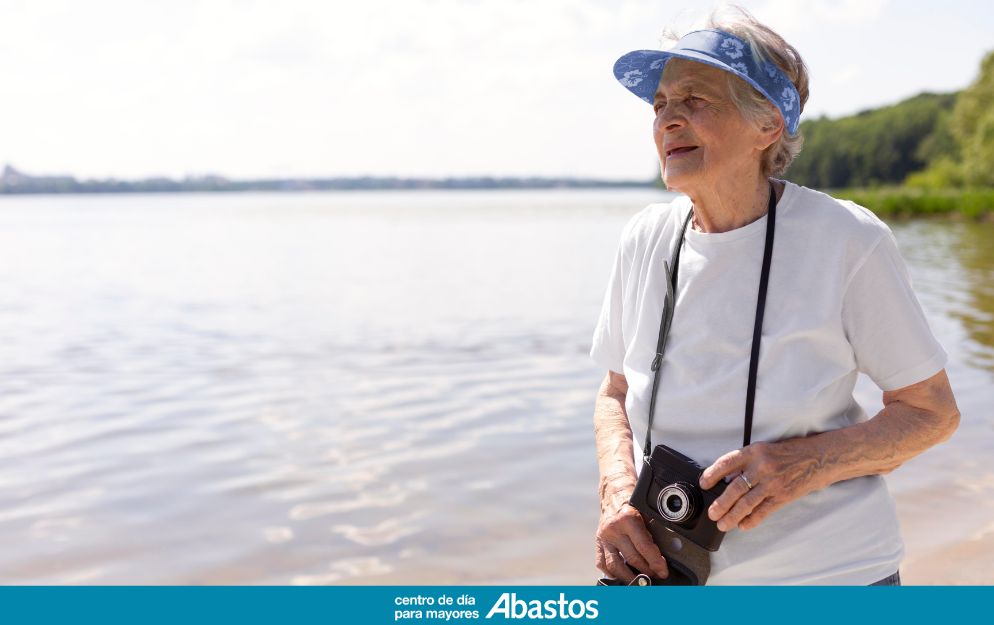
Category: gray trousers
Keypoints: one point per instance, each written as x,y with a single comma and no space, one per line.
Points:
890,580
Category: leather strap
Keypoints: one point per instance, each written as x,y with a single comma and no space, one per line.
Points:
671,270
669,304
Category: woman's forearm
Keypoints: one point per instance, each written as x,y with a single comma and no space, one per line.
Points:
896,434
914,418
622,540
613,437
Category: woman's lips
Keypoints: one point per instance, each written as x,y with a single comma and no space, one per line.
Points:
680,151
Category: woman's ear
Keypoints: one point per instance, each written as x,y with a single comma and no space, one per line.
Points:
769,133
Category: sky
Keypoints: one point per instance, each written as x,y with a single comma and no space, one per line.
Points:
419,88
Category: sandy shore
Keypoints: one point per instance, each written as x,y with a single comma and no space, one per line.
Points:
948,533
969,562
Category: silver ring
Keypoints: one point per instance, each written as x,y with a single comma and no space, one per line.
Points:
746,480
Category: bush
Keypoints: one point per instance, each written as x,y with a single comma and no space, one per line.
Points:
918,201
944,173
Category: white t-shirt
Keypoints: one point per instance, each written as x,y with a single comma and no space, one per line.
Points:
839,302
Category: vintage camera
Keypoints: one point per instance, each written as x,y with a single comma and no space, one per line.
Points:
674,507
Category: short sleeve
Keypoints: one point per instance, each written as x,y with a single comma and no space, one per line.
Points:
885,324
608,348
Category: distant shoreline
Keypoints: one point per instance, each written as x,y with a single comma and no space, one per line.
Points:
14,182
904,201
894,201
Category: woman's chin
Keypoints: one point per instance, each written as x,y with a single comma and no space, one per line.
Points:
681,179
674,182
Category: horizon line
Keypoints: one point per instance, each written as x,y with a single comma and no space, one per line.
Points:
16,182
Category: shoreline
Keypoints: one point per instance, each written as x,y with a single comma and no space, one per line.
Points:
948,533
975,204
964,563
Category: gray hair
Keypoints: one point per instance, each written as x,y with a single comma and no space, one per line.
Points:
753,105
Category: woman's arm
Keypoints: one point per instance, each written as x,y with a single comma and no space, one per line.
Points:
614,442
621,533
913,419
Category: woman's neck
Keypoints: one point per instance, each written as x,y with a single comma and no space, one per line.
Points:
720,208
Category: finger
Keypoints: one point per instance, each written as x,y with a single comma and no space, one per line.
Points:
729,464
649,551
635,531
735,489
599,559
758,514
742,508
632,556
616,566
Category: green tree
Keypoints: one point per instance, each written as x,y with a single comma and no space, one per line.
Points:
873,147
972,125
970,131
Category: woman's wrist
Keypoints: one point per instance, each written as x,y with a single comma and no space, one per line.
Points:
828,456
616,489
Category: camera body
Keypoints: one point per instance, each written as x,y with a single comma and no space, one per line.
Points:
674,507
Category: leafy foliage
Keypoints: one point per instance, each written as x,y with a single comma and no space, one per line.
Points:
928,142
877,146
905,201
972,125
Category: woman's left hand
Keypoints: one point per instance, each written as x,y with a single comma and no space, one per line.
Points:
778,474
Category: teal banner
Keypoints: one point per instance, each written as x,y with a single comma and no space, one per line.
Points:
411,605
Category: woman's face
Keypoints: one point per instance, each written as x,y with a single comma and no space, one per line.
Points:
700,135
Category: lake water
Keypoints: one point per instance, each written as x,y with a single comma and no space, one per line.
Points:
375,387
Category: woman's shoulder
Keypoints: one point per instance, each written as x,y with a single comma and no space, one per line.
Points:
650,222
824,215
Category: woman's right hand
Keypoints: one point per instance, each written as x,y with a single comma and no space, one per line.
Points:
622,536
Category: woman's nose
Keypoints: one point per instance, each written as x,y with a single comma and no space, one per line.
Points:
668,118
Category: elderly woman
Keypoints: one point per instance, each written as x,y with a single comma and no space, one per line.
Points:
804,501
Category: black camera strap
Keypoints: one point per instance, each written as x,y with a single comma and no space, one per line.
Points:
669,305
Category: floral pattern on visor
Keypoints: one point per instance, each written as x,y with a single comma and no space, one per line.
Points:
639,71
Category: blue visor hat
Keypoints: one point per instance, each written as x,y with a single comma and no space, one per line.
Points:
640,71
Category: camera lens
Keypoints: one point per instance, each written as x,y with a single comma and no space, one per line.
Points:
676,502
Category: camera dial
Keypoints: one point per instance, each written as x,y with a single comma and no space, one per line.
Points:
676,502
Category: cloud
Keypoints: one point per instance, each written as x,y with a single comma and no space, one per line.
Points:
791,17
419,87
